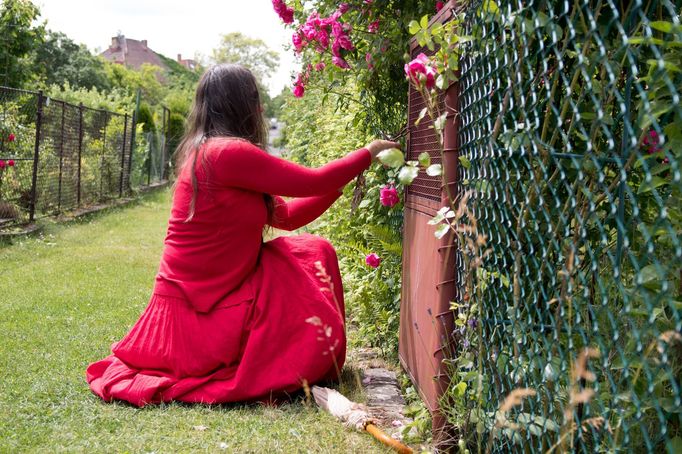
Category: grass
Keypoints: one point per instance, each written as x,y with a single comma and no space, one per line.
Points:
69,293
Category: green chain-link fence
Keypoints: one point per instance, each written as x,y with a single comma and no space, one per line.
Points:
572,128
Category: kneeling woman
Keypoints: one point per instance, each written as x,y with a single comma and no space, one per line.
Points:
231,317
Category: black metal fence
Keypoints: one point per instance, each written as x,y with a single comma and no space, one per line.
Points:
56,157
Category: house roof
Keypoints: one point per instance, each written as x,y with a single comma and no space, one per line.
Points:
131,53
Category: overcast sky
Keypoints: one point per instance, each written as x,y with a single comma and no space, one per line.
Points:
172,27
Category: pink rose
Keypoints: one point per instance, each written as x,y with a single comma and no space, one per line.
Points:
373,260
344,42
343,8
11,162
323,39
439,6
299,85
388,196
299,90
298,42
309,31
320,66
283,11
420,71
368,59
373,27
2,164
651,142
340,62
11,137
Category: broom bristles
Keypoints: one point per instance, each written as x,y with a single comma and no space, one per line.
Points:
350,413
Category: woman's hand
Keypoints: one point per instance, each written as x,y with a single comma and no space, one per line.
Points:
378,146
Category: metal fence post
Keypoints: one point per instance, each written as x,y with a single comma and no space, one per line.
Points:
165,157
123,154
149,159
80,151
36,153
101,159
133,129
61,160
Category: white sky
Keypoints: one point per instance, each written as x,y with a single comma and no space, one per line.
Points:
171,26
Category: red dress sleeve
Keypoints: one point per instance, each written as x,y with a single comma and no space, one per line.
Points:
302,211
241,164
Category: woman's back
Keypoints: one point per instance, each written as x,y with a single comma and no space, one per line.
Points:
207,257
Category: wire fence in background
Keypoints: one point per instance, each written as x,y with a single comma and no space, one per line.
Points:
56,157
571,145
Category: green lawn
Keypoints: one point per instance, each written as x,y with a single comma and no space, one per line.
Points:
65,296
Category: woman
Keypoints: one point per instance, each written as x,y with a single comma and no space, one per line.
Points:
234,318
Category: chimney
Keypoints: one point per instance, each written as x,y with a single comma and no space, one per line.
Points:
144,43
114,42
179,58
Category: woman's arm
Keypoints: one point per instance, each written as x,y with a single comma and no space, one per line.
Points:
241,164
302,211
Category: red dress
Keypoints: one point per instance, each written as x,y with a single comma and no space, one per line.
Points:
234,318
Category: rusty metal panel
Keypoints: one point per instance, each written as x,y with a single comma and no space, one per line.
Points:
426,322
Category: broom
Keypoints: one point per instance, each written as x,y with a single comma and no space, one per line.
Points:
354,415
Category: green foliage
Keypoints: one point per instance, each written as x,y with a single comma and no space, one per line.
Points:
19,36
58,60
316,133
253,53
115,100
145,117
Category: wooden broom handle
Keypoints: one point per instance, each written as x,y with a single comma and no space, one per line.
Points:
388,441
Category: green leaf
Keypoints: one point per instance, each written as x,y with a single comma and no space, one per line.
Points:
459,389
434,170
671,67
439,123
440,233
422,114
414,27
662,26
490,6
407,175
424,159
424,22
676,444
464,161
392,158
655,183
437,219
649,277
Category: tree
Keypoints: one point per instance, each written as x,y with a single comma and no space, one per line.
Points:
18,37
60,60
250,52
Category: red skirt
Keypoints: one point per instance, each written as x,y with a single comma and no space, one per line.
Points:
281,328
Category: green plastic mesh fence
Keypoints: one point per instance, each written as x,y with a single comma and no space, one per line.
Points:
571,127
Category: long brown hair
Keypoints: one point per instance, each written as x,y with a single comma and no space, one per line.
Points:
227,104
